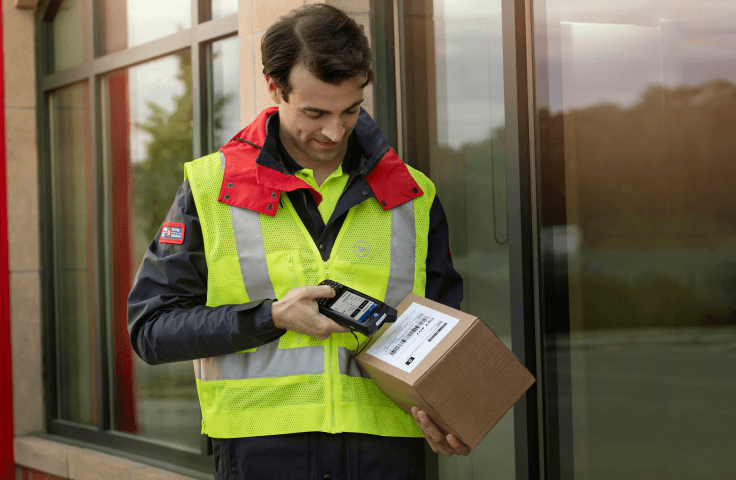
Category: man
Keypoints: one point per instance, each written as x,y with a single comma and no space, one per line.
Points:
310,190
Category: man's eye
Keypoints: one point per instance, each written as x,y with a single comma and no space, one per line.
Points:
314,115
353,112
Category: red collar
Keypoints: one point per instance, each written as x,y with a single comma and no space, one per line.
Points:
248,184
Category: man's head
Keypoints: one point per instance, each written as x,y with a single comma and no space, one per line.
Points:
317,61
330,44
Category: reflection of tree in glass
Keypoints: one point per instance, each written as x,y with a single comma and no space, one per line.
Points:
658,174
651,188
159,176
219,131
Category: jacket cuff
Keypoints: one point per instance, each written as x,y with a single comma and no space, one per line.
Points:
255,319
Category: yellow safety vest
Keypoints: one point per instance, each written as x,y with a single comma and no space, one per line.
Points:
301,384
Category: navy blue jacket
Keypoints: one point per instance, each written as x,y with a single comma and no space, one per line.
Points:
168,320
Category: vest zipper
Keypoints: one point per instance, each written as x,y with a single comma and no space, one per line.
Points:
332,384
330,363
294,284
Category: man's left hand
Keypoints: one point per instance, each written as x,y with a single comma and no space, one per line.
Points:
447,444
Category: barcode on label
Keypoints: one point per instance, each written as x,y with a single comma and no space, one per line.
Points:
423,319
442,325
397,347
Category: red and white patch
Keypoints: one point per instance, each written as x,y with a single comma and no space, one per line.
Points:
172,233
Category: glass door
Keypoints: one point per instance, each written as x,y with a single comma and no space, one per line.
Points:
636,112
453,129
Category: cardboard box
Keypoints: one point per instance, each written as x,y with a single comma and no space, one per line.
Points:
447,363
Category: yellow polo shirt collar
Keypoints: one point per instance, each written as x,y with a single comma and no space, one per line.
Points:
331,188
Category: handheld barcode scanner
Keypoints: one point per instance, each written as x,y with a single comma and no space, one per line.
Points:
354,310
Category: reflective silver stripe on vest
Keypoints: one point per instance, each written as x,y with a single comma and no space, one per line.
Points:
348,365
403,257
266,362
251,251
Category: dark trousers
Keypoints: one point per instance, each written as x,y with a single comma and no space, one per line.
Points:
319,456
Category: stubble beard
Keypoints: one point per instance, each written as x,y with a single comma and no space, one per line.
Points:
317,157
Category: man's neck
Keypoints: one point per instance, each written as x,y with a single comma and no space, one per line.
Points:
320,170
323,172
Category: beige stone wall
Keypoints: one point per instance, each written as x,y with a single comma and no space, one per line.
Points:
74,463
254,18
23,227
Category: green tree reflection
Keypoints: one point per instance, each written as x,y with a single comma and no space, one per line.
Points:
650,187
159,176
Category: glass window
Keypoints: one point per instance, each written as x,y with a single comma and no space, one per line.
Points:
134,22
223,8
148,128
74,249
454,131
225,121
71,34
637,114
117,135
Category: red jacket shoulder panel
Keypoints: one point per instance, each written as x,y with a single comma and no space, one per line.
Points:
247,184
391,182
255,132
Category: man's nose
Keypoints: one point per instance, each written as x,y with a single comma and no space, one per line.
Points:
333,129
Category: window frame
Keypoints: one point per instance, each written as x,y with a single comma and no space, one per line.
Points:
197,463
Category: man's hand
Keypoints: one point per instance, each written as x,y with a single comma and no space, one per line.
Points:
448,444
298,312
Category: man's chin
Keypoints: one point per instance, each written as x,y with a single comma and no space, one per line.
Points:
324,157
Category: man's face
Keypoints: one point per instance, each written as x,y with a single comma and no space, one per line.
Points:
318,118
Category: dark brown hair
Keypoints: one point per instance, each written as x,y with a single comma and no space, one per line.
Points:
324,39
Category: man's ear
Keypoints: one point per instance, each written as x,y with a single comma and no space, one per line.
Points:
273,90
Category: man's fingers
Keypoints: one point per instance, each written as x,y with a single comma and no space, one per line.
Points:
435,446
330,326
447,445
297,311
322,327
457,445
318,291
435,433
441,447
430,427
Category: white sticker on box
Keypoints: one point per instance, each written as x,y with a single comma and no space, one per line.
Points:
410,339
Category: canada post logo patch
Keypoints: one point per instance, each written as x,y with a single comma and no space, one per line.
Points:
172,233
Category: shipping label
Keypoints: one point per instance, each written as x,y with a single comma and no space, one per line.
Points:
410,339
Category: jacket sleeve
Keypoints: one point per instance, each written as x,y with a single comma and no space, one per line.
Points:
168,320
444,284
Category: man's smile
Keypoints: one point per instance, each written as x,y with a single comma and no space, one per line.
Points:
324,144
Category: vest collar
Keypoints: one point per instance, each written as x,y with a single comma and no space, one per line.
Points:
250,182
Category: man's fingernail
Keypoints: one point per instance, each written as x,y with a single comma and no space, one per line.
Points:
421,415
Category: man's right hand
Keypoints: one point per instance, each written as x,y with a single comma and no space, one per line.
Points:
298,311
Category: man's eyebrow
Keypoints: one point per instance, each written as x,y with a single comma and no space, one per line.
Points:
319,110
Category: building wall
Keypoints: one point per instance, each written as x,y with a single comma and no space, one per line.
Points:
23,216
